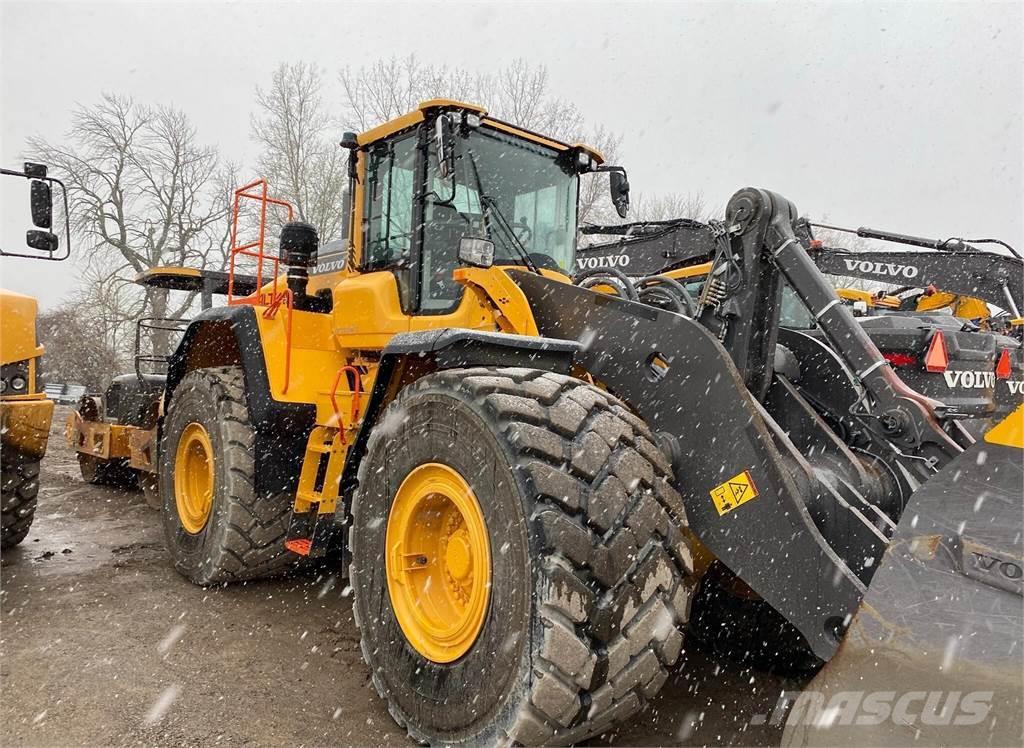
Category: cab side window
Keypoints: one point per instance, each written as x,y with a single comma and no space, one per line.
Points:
387,213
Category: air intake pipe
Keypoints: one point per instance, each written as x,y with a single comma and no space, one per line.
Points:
299,242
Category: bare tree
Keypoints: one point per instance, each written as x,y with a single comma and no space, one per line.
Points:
854,243
651,207
300,152
520,92
144,192
108,297
77,351
387,88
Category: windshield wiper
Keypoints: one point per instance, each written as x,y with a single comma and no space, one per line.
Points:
502,222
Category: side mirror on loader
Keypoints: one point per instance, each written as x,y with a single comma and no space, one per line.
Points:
619,187
42,238
44,241
41,203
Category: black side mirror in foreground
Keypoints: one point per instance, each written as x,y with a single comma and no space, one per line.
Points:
42,204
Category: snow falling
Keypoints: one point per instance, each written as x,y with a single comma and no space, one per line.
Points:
338,412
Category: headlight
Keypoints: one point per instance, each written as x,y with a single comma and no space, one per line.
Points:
14,378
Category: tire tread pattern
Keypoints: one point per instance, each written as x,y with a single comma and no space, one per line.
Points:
614,581
19,491
255,526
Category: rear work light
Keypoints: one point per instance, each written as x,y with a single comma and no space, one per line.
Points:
937,358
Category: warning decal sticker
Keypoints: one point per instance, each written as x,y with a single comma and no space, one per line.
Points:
737,490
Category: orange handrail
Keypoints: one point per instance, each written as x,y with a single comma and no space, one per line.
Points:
273,299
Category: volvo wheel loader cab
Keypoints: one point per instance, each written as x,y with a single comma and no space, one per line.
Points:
25,411
513,535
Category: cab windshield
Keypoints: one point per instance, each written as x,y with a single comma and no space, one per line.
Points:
508,190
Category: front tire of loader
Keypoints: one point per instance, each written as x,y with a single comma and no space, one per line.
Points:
571,528
19,487
217,528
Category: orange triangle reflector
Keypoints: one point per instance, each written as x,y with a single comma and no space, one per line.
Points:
1003,367
937,357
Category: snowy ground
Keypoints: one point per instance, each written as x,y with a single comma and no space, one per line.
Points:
103,643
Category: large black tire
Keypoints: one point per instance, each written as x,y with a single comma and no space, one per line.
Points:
116,473
18,492
591,577
245,533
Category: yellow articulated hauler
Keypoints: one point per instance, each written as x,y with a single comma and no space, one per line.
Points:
25,411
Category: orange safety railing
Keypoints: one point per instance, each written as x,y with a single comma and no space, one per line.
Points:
268,268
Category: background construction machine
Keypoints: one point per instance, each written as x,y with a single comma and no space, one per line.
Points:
974,364
527,477
114,433
25,411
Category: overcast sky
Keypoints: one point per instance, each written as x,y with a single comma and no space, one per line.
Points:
905,116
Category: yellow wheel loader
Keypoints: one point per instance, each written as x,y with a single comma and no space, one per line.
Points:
527,478
25,411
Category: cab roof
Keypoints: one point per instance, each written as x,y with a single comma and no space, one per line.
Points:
421,112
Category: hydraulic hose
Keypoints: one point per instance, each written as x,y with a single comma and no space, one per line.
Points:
655,290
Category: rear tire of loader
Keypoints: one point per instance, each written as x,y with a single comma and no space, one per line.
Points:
589,579
19,488
240,535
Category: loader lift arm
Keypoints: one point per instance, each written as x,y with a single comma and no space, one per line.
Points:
763,241
761,246
715,374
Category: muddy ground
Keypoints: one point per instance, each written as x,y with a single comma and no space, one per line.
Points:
102,643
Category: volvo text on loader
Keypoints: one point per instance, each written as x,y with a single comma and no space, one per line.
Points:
527,478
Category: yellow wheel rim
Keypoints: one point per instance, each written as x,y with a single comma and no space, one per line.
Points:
438,562
193,478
